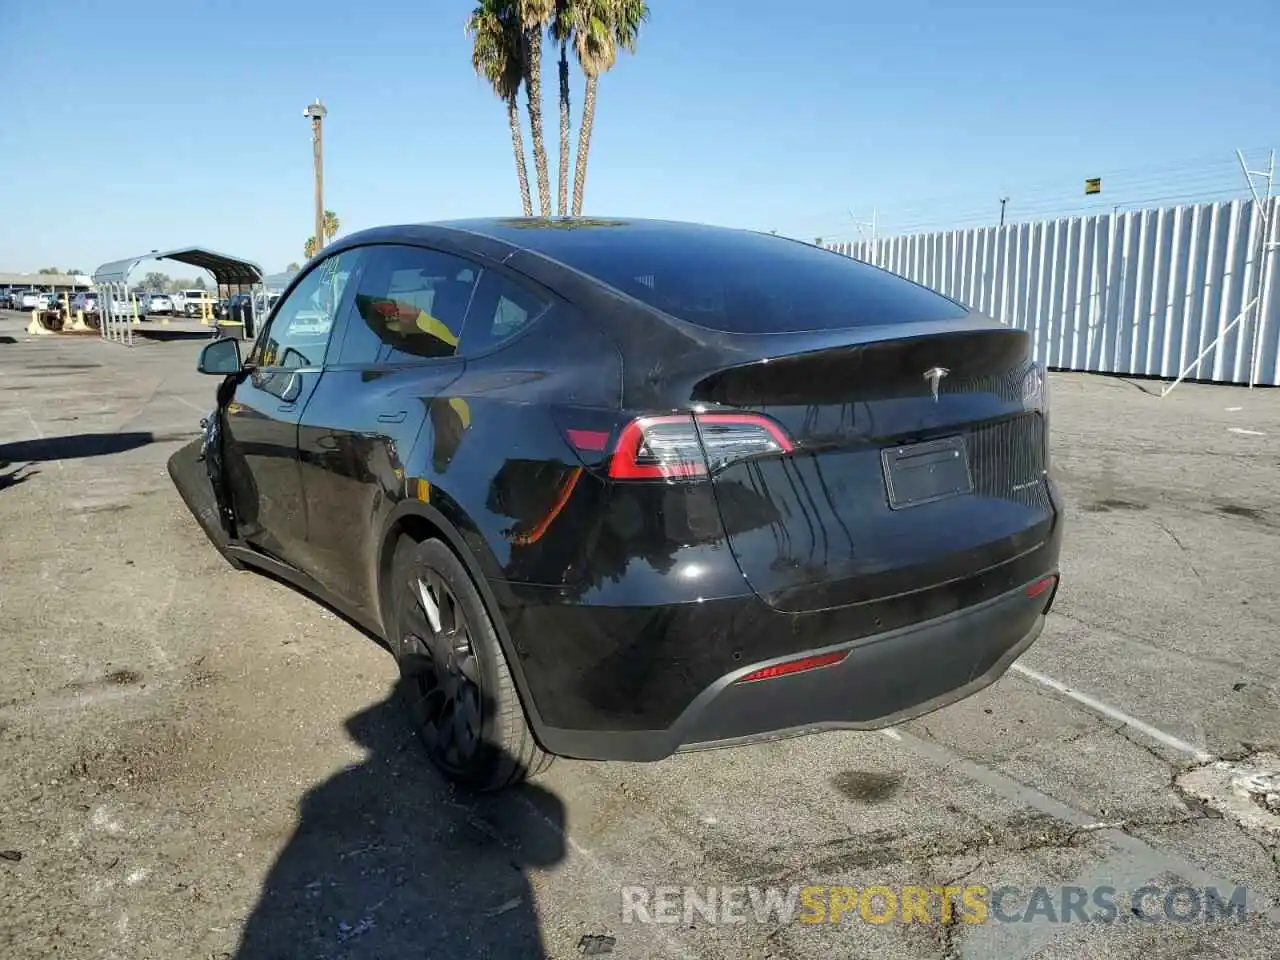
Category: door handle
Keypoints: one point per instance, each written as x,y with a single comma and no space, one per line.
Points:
397,417
287,407
292,388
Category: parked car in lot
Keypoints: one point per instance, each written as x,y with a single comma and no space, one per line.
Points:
31,300
187,302
612,489
119,306
191,303
157,304
85,302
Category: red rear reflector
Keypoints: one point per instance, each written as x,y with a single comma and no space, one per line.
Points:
1041,585
588,439
794,666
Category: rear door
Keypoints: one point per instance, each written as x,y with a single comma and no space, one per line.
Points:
261,418
398,355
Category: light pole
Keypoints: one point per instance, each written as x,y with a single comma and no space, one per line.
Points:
1003,201
316,113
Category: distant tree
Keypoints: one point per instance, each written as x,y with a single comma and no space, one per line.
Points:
292,268
331,225
156,281
497,55
47,271
199,283
75,272
817,241
601,28
534,17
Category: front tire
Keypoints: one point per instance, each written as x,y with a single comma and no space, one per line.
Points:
454,679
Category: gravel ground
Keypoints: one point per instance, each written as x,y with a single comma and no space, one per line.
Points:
198,763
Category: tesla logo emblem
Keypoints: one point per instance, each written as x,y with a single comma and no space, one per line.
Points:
934,376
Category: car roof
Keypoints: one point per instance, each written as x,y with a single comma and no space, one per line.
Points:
545,235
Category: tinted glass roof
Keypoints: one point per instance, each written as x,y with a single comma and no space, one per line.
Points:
736,281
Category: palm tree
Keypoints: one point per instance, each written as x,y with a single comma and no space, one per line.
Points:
562,30
309,248
497,56
331,225
601,29
534,17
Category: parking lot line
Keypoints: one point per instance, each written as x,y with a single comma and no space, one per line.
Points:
183,400
1145,858
39,433
1168,739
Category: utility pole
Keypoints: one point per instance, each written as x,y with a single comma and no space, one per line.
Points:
316,113
1003,201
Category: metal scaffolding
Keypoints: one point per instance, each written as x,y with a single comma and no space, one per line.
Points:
118,309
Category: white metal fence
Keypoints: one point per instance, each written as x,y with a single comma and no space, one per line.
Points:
1142,292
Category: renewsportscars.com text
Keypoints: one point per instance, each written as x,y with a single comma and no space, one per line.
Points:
972,904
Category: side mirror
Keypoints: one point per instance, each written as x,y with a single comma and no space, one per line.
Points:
220,358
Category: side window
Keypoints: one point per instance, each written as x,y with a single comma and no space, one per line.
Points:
298,334
409,306
501,307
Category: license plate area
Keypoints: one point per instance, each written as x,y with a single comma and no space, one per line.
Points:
918,473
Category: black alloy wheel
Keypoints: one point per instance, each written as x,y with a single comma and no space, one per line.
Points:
442,672
454,676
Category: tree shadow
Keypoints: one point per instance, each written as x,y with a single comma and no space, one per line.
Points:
388,861
79,446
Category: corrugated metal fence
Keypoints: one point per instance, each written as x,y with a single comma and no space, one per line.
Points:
1142,292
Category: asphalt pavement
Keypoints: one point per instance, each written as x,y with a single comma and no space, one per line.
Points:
201,763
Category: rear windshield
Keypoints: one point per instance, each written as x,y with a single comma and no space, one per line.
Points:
737,281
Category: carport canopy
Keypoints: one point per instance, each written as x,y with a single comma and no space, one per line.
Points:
225,269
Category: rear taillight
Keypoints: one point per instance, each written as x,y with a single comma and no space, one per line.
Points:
680,447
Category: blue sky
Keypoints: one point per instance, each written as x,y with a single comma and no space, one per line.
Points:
145,124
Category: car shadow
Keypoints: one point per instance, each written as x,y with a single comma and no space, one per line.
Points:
6,340
388,861
167,336
79,446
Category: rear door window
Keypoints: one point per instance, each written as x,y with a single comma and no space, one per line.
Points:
500,309
409,306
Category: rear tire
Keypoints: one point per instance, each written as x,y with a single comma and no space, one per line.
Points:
455,682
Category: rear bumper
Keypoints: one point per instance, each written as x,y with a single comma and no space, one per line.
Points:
884,679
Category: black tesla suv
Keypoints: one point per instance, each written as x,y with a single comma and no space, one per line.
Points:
610,489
